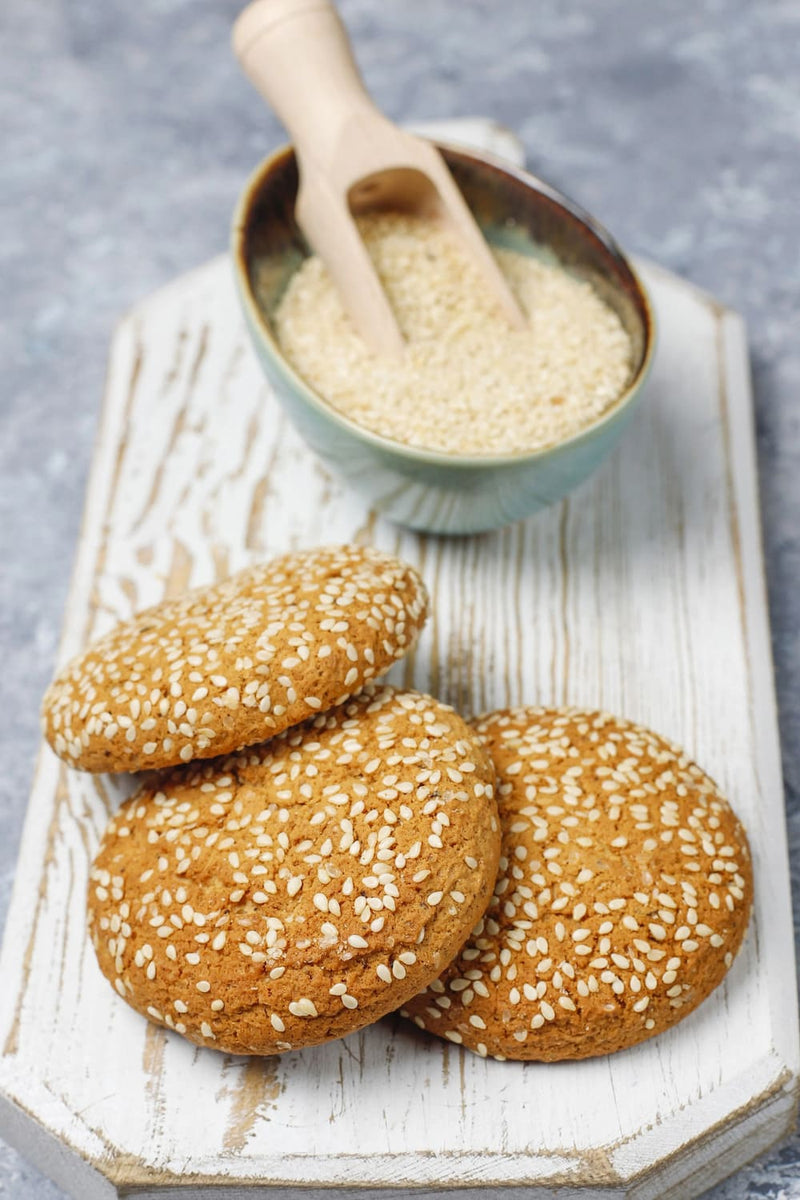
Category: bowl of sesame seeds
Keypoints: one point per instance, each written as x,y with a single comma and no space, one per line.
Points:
478,425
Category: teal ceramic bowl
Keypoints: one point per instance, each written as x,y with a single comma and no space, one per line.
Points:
426,489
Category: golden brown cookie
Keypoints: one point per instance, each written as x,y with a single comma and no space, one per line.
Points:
623,895
300,889
229,665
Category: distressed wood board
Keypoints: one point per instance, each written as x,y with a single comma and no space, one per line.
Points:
643,593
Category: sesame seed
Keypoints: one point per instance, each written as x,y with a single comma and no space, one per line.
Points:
217,658
303,1008
552,952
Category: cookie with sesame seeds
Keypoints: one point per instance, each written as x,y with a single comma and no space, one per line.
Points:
623,894
303,888
229,665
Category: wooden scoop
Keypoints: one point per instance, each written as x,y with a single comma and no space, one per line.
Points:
350,157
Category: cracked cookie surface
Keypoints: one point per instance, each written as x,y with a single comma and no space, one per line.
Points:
623,893
303,888
229,665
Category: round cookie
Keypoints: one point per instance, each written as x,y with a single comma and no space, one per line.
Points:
305,887
228,665
623,895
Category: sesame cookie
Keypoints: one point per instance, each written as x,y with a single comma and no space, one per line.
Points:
229,665
623,895
305,887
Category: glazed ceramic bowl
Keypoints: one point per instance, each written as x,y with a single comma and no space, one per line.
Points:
426,489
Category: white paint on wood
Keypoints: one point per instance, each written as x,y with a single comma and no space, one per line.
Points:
643,593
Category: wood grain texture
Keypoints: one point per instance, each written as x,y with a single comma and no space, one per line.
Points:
643,593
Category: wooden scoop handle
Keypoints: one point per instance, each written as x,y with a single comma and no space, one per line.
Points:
298,56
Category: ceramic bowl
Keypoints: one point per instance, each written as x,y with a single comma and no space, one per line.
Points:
426,489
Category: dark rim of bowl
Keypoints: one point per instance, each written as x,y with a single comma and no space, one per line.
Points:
241,227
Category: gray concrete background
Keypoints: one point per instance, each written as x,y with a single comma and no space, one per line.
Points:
128,133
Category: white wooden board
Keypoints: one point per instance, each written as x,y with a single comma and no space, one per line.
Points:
642,593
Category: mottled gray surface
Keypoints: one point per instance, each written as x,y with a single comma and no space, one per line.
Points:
129,133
